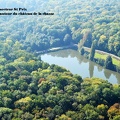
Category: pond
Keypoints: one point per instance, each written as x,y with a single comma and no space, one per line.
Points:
77,64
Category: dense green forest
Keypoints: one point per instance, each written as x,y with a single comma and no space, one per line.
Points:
72,21
31,89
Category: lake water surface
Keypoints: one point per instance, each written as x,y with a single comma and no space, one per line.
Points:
77,64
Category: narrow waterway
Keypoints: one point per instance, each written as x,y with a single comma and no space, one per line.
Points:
77,64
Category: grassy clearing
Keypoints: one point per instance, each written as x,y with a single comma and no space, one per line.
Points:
98,55
115,61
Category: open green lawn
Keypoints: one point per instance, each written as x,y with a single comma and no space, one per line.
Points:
98,55
115,61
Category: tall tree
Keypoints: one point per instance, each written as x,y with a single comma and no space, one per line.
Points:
109,63
87,38
92,52
82,51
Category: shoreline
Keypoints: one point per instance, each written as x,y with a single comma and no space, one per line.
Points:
104,53
76,47
56,49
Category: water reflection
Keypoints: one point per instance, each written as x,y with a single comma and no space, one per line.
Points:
107,74
91,69
99,68
77,64
118,78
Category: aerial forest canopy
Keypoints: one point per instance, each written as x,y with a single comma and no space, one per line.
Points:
31,89
72,21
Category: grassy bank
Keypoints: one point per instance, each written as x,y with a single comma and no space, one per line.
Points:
103,56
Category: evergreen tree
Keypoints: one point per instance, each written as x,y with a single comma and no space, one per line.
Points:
82,51
108,63
92,52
